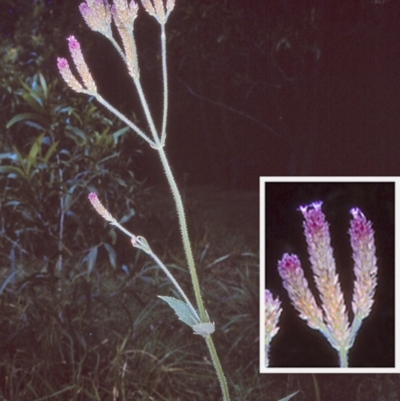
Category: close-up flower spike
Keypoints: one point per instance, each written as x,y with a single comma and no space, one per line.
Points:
67,75
97,16
333,323
81,66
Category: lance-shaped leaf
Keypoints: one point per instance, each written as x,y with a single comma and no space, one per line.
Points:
182,310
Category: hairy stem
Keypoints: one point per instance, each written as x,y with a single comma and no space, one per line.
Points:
165,83
184,233
218,368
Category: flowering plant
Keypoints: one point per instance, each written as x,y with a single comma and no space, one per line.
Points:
99,15
331,317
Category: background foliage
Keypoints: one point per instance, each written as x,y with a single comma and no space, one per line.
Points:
78,316
276,88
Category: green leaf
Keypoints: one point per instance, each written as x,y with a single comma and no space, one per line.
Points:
127,216
8,279
44,85
50,151
79,133
112,256
113,236
37,126
37,145
67,200
34,101
26,86
91,258
182,310
12,170
21,162
25,116
92,109
221,259
118,133
288,397
13,203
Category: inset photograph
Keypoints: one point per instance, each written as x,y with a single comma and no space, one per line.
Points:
327,280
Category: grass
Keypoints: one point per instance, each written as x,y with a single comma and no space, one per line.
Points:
108,337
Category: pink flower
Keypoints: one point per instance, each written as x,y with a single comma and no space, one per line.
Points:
365,267
96,14
157,10
103,212
316,231
124,15
296,285
67,75
334,321
100,209
81,66
273,311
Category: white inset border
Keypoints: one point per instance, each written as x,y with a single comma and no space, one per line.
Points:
298,180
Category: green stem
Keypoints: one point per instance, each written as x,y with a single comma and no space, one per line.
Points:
126,120
147,113
343,360
185,235
141,243
192,270
146,248
158,143
165,83
218,368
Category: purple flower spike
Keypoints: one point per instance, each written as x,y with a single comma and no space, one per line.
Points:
365,267
316,231
67,75
315,219
96,14
124,15
100,209
76,53
296,285
332,321
272,312
157,9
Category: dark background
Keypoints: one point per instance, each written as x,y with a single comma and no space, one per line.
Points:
297,345
256,88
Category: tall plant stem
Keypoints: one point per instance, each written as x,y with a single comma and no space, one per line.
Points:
165,83
192,270
218,368
158,143
185,234
182,219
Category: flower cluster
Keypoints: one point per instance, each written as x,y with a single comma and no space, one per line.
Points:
273,311
296,285
157,10
124,15
100,209
365,267
332,318
81,66
98,15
